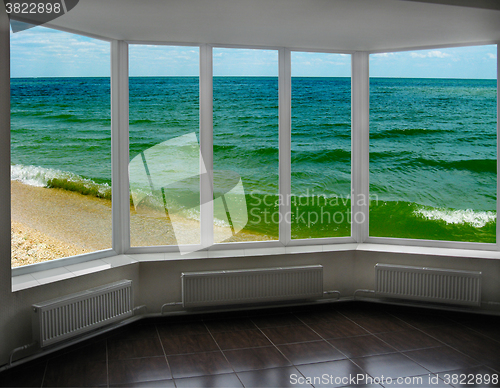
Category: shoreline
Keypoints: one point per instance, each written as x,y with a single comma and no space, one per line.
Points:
53,223
49,224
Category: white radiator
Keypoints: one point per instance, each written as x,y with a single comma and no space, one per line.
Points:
428,284
213,288
62,318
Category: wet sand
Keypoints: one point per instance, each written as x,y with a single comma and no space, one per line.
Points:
55,223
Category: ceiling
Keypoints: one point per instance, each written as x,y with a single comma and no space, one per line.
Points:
486,4
343,25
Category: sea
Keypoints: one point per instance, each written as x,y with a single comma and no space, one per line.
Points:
432,146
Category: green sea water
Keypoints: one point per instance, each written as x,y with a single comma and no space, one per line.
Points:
432,147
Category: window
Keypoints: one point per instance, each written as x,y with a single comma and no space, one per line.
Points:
433,144
60,145
164,169
245,145
321,145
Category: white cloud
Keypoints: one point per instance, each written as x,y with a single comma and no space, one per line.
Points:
430,54
491,56
55,53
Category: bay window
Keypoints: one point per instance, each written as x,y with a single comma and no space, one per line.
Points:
263,147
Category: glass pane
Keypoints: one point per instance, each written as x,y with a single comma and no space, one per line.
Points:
321,145
61,145
433,144
164,168
246,158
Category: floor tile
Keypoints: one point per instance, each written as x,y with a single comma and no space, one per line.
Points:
183,344
441,359
24,376
135,332
316,339
276,320
273,378
454,335
75,374
320,316
423,381
365,345
219,326
409,340
138,370
216,381
241,339
339,328
472,343
198,364
310,352
185,328
290,334
488,326
377,322
124,349
423,320
94,351
146,384
174,319
479,376
255,358
225,315
331,374
390,365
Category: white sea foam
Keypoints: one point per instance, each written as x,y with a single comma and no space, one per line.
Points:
34,175
41,176
475,219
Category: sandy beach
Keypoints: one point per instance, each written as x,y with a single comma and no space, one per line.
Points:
54,223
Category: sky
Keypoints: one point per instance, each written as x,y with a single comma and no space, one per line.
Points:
43,52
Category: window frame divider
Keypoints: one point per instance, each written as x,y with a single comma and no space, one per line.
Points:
360,145
285,143
498,148
120,205
206,146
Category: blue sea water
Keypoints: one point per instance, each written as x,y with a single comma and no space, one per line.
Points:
432,143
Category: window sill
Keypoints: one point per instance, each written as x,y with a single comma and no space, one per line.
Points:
26,281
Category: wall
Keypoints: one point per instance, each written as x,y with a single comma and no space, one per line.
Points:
364,272
161,281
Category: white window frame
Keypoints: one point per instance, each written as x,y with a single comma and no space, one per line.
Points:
443,243
359,158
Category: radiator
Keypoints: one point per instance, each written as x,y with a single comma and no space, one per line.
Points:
62,318
214,288
428,284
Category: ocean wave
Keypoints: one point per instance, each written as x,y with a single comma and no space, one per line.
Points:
475,219
321,156
141,121
406,132
70,118
52,178
474,165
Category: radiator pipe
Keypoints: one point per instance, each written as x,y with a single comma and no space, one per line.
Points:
171,304
141,307
332,292
19,349
363,290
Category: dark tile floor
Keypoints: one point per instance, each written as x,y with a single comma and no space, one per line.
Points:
335,345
